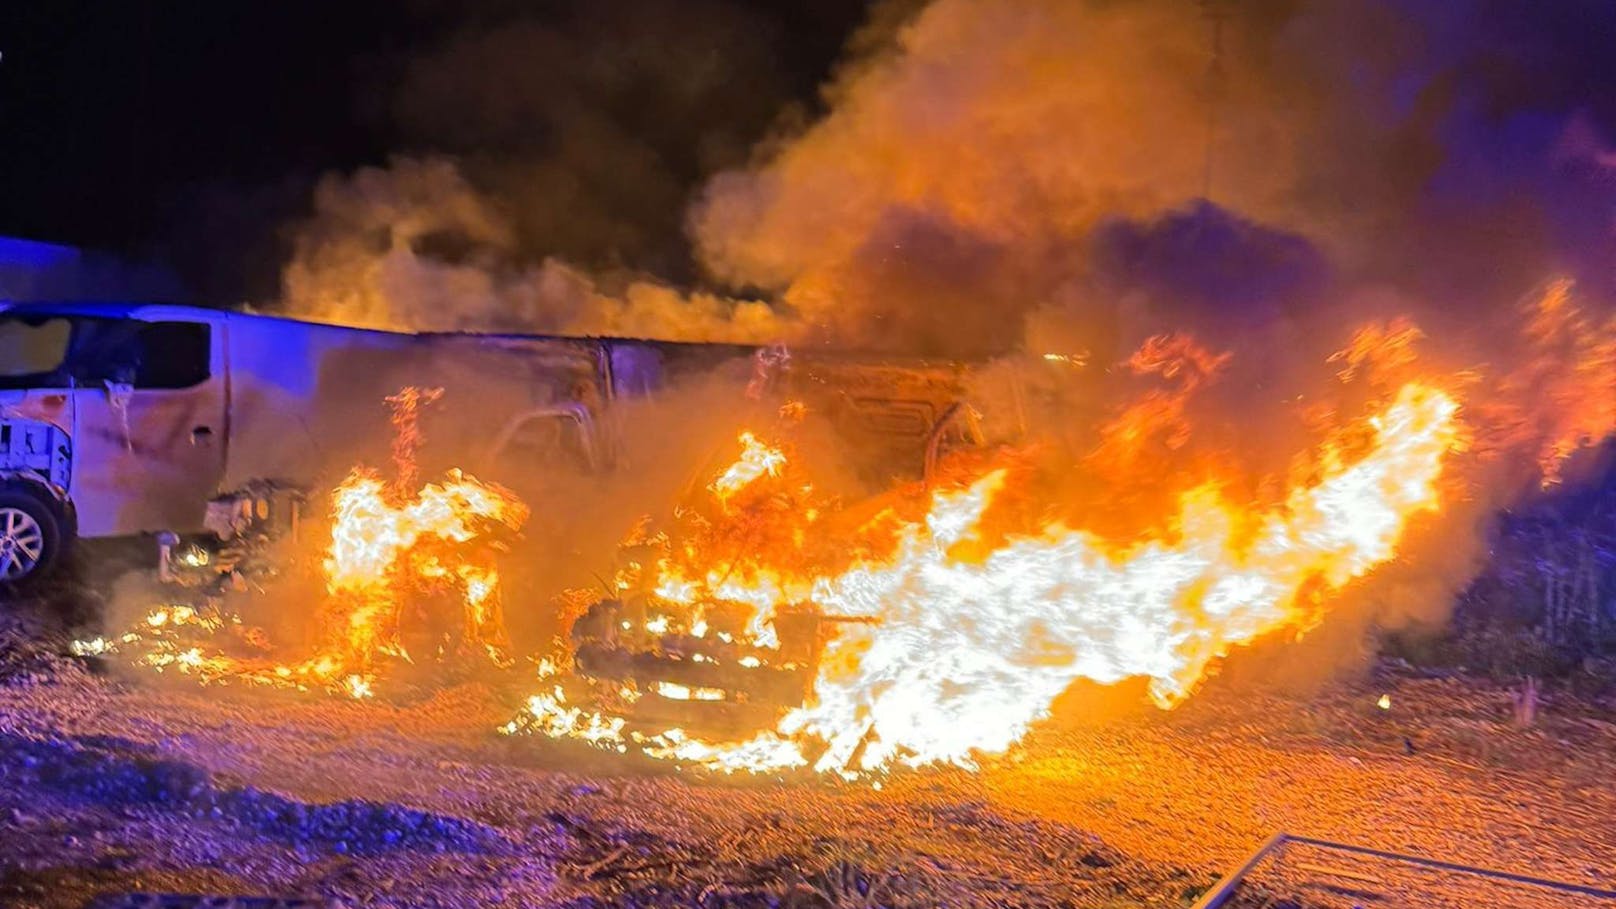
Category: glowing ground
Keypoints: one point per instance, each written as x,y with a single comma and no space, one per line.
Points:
174,789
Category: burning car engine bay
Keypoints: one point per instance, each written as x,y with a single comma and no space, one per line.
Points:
699,633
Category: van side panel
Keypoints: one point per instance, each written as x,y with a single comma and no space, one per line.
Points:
306,401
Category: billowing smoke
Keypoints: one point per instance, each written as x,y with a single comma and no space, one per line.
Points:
543,162
1066,180
1101,170
1003,158
414,247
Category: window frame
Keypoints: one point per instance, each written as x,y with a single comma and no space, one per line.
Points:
89,348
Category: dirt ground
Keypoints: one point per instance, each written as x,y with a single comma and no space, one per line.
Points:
110,785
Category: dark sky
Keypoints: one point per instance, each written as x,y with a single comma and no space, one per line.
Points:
194,132
183,129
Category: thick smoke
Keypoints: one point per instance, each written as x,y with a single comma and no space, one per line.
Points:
414,247
1092,170
1064,178
543,162
988,166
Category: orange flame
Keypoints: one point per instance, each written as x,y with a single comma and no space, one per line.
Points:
969,653
1567,392
406,407
383,553
976,633
1379,348
389,549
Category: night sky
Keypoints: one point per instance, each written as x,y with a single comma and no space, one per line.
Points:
937,181
188,131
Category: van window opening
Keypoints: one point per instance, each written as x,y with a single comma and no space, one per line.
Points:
155,355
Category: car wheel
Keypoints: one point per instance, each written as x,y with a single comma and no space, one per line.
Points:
31,540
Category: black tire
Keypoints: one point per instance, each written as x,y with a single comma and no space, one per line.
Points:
30,552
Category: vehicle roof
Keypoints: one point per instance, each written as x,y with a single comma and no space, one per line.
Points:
115,309
152,311
75,308
155,311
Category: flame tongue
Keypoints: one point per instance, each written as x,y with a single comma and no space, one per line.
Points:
757,460
968,654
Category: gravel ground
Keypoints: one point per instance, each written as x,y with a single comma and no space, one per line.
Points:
109,786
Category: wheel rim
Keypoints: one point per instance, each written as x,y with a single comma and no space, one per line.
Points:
22,543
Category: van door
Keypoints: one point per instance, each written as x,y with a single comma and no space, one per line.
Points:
149,424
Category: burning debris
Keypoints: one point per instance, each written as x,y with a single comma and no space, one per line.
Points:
408,577
698,637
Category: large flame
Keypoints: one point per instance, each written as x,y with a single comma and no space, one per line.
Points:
971,651
384,552
975,632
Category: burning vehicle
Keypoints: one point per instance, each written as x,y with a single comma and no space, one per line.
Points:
714,655
125,419
770,625
409,583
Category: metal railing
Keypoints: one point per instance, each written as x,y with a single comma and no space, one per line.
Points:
1228,887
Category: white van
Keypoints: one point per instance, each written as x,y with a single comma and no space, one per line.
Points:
120,419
